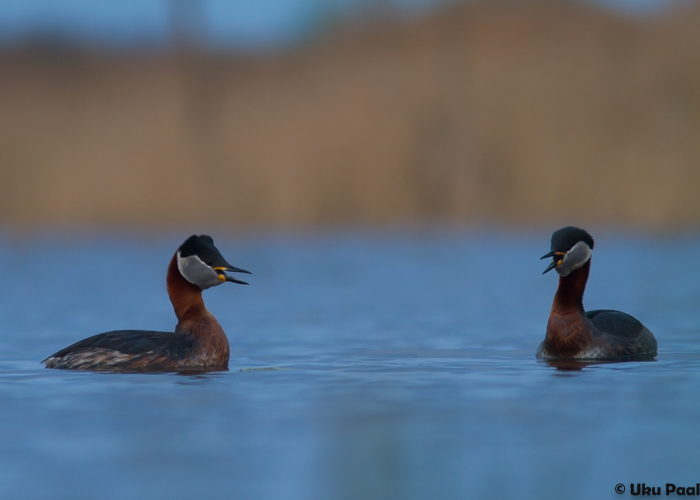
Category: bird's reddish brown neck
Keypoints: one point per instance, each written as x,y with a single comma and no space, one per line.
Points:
569,297
185,297
568,329
193,319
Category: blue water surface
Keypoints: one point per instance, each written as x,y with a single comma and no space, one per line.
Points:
363,366
243,25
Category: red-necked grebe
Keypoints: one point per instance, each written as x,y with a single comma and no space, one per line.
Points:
198,341
575,333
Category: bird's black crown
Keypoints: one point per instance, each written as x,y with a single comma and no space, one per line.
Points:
203,247
565,238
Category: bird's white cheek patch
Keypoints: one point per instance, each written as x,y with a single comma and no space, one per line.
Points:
197,272
574,259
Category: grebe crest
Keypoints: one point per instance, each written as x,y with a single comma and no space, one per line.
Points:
198,341
573,333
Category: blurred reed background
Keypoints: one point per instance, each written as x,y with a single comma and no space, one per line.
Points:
534,112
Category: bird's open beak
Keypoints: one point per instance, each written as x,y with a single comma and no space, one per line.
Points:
234,280
557,257
225,277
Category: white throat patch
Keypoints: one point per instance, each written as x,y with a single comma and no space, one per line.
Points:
574,259
197,272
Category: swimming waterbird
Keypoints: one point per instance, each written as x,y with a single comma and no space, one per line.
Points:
198,341
575,333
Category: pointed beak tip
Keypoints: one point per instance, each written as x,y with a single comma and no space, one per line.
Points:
231,279
232,269
551,266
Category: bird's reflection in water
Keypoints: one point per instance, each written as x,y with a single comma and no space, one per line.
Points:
578,365
199,377
202,373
